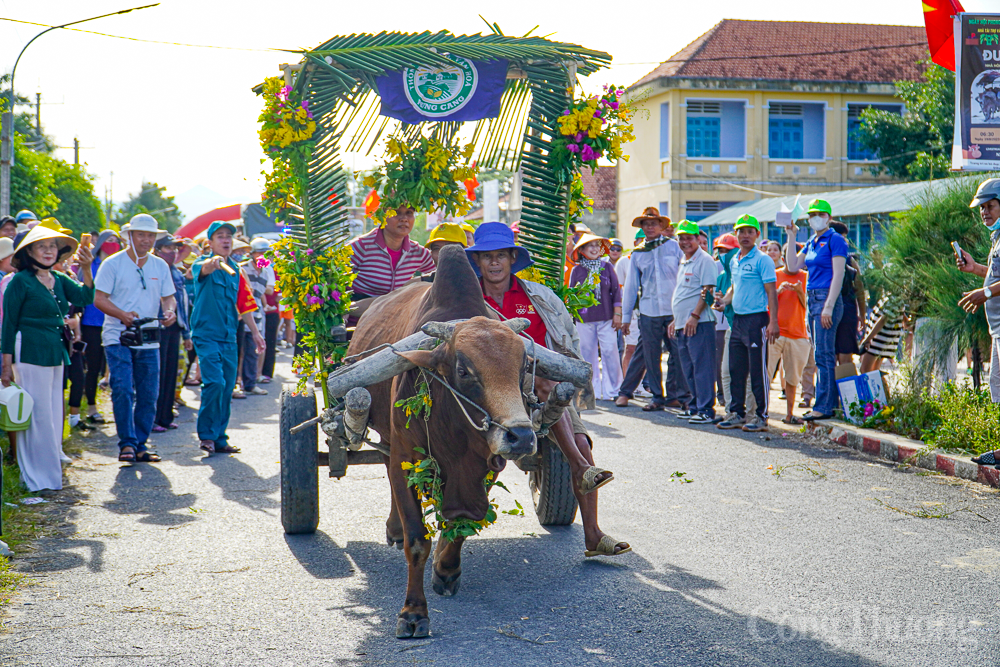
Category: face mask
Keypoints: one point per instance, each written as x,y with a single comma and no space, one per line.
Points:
994,227
168,256
818,223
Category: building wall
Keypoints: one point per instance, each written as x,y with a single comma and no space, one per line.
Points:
650,178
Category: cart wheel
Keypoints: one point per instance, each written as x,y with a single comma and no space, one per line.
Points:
299,464
552,487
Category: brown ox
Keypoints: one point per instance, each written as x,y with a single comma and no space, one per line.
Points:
482,358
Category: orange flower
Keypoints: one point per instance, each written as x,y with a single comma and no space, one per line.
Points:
372,202
470,187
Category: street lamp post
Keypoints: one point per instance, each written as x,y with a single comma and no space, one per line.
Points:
7,120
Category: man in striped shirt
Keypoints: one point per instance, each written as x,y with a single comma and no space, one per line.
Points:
385,258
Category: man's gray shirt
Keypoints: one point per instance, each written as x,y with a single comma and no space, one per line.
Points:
656,272
992,278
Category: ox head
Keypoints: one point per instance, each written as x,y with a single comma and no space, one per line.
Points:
485,360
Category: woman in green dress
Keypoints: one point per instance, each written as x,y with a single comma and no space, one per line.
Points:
34,305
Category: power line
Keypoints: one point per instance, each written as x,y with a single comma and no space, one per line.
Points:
148,41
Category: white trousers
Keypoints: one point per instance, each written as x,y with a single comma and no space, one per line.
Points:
596,336
39,447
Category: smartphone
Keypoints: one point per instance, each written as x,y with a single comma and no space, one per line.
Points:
958,251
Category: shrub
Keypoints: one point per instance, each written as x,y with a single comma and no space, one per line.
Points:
969,420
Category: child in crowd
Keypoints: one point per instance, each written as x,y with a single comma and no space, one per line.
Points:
792,346
599,323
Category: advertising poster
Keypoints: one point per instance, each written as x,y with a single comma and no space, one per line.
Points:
977,93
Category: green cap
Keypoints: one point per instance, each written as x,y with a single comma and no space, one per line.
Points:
747,220
820,206
688,227
640,235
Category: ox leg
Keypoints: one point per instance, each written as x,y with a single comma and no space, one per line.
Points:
393,525
413,621
447,570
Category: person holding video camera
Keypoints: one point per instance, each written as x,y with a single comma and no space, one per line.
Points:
131,287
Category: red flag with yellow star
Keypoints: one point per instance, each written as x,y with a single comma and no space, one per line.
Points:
941,29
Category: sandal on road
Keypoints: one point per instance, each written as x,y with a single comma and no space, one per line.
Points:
207,446
792,421
228,449
127,454
606,547
812,416
148,457
987,459
590,481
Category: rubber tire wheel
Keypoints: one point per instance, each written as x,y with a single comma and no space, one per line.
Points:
299,464
552,487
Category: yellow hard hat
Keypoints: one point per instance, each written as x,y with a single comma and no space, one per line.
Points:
55,225
467,227
447,231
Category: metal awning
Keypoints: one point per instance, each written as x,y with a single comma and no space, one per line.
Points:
845,203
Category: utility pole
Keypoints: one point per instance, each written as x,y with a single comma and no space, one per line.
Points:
107,197
7,129
76,152
38,113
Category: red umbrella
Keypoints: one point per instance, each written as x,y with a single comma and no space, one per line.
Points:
194,227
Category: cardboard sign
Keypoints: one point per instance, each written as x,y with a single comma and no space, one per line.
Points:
861,389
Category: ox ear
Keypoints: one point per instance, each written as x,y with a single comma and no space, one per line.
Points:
421,358
518,324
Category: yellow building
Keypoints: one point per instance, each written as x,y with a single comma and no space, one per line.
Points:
754,109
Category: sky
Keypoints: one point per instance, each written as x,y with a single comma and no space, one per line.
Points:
185,117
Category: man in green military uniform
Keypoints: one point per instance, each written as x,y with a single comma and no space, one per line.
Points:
213,329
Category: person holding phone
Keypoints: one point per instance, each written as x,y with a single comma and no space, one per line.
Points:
988,200
825,258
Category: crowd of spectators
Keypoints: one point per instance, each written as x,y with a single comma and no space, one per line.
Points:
140,312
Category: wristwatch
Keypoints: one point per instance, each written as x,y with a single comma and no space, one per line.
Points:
988,292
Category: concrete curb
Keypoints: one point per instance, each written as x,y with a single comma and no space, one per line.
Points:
903,450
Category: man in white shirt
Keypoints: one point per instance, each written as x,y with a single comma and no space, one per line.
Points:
133,284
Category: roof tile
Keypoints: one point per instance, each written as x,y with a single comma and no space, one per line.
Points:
798,51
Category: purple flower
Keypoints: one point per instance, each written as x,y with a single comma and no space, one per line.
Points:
615,105
313,300
597,114
284,93
263,262
566,112
335,295
579,137
869,409
587,153
316,289
573,148
309,251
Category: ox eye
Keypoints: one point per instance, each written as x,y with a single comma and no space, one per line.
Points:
462,372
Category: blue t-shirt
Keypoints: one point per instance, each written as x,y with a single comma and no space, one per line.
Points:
750,274
214,315
819,257
92,316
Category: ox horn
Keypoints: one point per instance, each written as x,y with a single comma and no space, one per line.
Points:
442,330
518,324
386,364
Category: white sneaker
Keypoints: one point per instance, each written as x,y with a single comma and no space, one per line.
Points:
257,391
63,458
642,393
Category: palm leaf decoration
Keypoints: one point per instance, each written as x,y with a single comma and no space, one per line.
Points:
339,79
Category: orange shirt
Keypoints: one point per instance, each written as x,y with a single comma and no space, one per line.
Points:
791,312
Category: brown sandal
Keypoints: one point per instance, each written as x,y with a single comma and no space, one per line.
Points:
228,449
127,456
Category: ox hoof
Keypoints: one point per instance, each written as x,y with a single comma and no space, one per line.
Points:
446,586
394,541
411,626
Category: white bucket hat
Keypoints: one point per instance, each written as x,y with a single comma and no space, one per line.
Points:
259,244
6,247
144,222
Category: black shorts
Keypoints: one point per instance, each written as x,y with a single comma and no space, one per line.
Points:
847,331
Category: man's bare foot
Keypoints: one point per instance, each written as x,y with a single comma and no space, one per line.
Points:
621,402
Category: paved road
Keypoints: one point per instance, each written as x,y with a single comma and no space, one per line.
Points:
185,563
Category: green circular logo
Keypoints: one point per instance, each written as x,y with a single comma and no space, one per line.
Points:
436,90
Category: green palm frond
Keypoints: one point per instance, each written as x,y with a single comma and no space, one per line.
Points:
339,78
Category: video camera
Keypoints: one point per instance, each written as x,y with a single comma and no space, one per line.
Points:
134,335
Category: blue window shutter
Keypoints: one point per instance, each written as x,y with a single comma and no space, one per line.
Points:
664,131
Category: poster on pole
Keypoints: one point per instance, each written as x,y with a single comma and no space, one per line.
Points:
977,92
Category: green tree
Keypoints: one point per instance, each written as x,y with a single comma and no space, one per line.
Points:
150,199
32,181
915,146
79,209
916,263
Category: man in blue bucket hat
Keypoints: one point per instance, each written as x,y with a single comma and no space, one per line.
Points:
496,257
